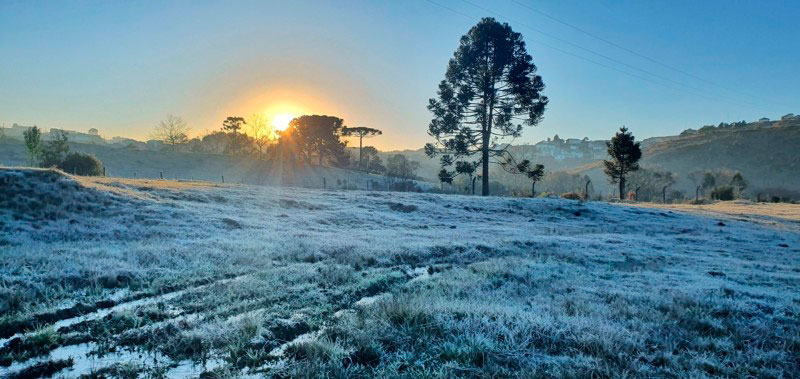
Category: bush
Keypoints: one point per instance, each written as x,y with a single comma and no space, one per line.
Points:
724,193
81,164
571,196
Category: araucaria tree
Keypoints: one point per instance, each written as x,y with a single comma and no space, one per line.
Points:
361,132
33,143
233,125
625,154
172,131
534,172
489,92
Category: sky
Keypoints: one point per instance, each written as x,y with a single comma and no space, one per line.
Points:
657,67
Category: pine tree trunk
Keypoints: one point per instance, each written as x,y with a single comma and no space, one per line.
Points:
533,189
360,143
622,188
485,164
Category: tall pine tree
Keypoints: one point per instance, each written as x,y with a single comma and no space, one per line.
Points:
625,154
489,92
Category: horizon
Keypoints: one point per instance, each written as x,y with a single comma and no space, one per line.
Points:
657,68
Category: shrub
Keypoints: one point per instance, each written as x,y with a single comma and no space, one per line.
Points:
724,193
571,196
81,164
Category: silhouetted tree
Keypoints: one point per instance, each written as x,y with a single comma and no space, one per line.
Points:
315,135
33,143
625,154
534,172
361,132
261,132
54,150
172,131
490,90
233,125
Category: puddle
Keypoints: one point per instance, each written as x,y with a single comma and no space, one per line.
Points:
85,362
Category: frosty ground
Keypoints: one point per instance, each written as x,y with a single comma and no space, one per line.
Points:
111,277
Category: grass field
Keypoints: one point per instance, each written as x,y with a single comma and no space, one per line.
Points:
127,278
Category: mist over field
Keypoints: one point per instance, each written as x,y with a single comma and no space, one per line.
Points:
425,189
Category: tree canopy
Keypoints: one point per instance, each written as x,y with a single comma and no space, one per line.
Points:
317,137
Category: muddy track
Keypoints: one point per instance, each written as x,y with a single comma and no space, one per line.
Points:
81,345
67,317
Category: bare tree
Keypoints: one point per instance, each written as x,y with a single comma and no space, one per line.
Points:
172,131
261,132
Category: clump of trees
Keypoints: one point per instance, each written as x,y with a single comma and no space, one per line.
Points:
52,153
489,92
625,153
55,153
370,161
315,138
720,185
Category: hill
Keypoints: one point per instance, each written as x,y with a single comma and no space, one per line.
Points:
177,279
766,156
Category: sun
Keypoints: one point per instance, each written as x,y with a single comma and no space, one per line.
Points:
281,121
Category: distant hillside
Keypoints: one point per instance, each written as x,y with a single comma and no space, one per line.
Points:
128,163
768,157
766,153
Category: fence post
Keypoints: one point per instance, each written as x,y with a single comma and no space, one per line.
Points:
134,174
324,183
104,171
161,174
223,178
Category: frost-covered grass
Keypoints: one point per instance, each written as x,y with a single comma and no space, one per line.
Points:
235,279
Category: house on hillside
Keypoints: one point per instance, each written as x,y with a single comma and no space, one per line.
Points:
560,149
789,116
763,119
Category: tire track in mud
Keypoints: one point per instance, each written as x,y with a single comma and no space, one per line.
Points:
61,322
81,354
65,316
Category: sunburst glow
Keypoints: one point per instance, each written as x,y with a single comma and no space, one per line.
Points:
281,121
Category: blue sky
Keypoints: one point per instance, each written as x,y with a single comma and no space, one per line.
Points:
122,66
